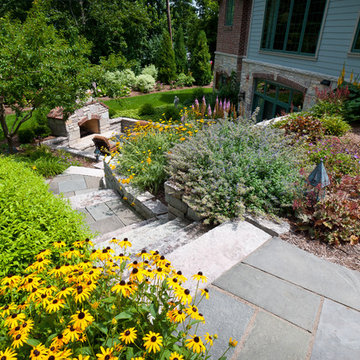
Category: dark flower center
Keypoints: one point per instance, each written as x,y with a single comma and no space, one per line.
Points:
18,336
81,272
55,301
180,312
79,289
104,251
187,292
91,272
87,239
200,273
153,339
3,358
81,315
127,333
24,325
14,316
51,357
6,307
159,269
72,249
30,281
17,328
48,287
179,273
89,282
175,280
122,283
60,336
34,290
36,352
52,348
143,251
135,271
135,262
107,357
196,339
194,309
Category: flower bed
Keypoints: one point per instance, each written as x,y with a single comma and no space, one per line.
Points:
83,303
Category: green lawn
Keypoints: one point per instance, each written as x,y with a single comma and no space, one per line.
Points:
130,107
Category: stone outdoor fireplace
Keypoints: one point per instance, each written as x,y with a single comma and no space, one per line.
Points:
93,118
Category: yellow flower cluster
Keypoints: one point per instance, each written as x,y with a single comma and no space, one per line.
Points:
80,303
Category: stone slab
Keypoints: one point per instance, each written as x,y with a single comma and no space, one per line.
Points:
92,182
129,217
219,249
222,309
99,211
307,270
93,198
154,208
106,225
88,218
68,194
60,178
281,298
269,226
117,206
54,187
72,185
82,170
338,332
273,338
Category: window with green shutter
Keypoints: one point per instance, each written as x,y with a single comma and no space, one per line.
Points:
292,26
229,12
356,43
274,99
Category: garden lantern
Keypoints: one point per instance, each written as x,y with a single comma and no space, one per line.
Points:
319,178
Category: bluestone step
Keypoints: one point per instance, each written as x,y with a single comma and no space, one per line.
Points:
150,236
218,250
82,201
82,170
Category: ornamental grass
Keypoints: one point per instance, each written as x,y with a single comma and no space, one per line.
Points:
81,303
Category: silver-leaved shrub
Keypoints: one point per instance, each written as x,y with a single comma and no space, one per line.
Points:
235,167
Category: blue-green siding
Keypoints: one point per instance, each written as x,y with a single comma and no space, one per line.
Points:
335,42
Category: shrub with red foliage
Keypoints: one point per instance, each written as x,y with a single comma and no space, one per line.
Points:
336,217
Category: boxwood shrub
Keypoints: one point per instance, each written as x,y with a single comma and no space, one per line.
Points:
31,218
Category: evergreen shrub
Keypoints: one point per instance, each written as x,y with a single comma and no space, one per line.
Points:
150,70
31,218
166,60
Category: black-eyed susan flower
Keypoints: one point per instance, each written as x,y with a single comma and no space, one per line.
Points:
136,275
193,312
59,341
152,342
11,281
55,305
64,292
195,344
59,244
180,277
121,258
123,288
106,354
8,354
81,319
175,356
19,339
71,334
14,320
232,342
205,293
200,277
81,294
43,254
82,357
138,358
160,273
172,282
7,309
209,339
183,295
125,243
65,354
129,335
144,255
72,252
38,352
57,271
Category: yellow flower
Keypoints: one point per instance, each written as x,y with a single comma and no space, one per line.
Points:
7,309
34,167
176,356
195,344
183,295
39,352
200,277
153,342
209,339
148,160
81,319
232,342
55,305
106,354
71,333
81,357
8,354
14,320
125,243
205,293
19,340
193,312
81,294
129,335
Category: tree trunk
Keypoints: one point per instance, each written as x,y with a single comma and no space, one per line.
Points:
168,14
4,126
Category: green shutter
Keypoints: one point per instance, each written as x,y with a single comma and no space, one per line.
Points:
356,43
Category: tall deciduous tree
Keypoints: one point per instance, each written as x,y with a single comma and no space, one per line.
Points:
200,61
38,69
166,60
180,52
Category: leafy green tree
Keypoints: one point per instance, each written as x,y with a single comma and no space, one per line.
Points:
39,69
200,61
166,60
180,52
